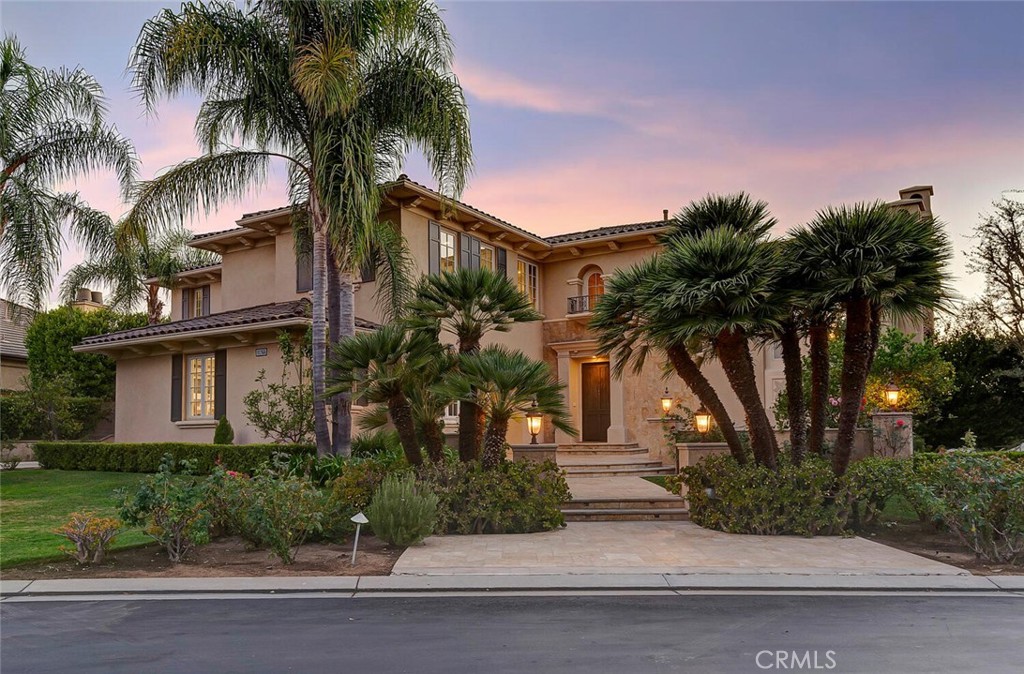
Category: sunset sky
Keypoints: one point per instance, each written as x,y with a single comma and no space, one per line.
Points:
591,114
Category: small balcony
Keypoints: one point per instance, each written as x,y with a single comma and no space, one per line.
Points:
582,305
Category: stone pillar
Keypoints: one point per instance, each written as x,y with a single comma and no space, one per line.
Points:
563,378
892,434
617,430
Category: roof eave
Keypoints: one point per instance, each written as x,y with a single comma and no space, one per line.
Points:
191,334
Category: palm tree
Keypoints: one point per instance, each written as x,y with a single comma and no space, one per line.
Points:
51,130
621,322
467,304
719,286
128,267
339,91
383,366
869,258
505,384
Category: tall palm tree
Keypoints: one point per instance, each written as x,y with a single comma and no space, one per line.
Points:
467,304
506,384
383,366
127,267
621,322
869,258
339,90
51,130
718,286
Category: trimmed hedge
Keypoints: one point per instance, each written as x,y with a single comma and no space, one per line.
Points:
925,458
144,457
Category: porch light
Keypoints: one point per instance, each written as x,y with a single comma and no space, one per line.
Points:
666,402
702,420
892,394
533,418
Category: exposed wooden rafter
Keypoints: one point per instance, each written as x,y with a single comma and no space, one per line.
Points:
576,252
614,245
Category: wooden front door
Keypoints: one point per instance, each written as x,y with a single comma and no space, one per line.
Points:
597,401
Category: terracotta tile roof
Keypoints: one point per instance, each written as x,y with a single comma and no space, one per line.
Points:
606,231
14,322
207,235
265,313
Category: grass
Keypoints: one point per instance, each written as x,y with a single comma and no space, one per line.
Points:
35,502
656,479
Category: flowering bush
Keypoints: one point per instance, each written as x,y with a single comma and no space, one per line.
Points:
172,508
90,534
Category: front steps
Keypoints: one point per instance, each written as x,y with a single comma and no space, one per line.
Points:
608,460
613,509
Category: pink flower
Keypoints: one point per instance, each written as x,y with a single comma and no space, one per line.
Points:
900,423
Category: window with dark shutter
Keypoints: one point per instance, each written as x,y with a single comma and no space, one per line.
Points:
177,364
434,246
368,274
186,302
206,300
502,258
303,272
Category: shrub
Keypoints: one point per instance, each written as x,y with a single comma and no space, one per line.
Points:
375,443
46,412
90,534
282,411
223,434
754,499
360,478
402,512
980,499
8,459
145,457
512,498
172,508
872,481
271,509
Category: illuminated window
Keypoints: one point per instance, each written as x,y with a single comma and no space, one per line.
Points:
201,382
526,276
447,250
487,257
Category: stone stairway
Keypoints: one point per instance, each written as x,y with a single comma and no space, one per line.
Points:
607,460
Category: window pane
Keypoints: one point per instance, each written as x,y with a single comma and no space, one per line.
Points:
446,243
595,284
486,257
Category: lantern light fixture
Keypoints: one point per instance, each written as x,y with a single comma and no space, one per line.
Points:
666,402
533,419
892,395
702,420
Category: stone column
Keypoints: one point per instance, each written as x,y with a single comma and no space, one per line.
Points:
563,378
892,434
617,430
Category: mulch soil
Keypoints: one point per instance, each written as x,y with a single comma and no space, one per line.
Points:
925,539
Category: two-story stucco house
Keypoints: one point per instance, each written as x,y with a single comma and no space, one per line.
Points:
174,380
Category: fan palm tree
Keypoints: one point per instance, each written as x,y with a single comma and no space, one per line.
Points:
468,304
128,268
383,366
506,384
869,258
339,90
719,286
621,322
51,130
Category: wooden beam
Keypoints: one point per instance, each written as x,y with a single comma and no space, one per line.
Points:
412,203
524,245
544,255
245,241
499,236
576,252
138,350
210,277
216,247
652,239
243,337
614,245
173,347
473,226
206,343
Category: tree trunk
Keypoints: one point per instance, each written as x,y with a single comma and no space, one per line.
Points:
341,322
320,428
734,352
818,335
433,438
333,339
400,412
876,332
494,443
793,366
154,306
471,418
690,373
856,361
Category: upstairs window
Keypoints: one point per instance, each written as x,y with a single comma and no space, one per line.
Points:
446,250
487,260
195,302
303,272
595,285
527,280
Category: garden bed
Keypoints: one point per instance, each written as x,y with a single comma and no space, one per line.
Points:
223,557
923,539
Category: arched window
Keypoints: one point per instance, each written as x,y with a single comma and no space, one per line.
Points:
595,284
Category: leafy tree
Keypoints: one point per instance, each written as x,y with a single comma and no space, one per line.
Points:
868,258
925,378
51,131
468,304
126,264
51,337
337,90
999,255
506,384
282,410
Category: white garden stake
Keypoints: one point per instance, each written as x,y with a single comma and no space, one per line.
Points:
360,519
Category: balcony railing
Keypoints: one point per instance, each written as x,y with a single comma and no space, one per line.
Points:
582,304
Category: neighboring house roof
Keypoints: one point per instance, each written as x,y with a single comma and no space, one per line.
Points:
613,230
14,322
278,312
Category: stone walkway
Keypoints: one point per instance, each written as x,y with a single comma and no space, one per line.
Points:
584,488
658,547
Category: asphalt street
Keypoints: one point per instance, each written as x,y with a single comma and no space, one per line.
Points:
586,634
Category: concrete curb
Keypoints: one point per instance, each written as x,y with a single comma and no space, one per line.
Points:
366,585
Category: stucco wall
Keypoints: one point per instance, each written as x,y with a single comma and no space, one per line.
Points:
249,278
12,372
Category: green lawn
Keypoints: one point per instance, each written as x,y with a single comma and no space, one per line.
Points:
656,479
35,502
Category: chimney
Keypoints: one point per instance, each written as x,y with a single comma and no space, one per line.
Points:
88,300
922,193
83,295
97,297
664,215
